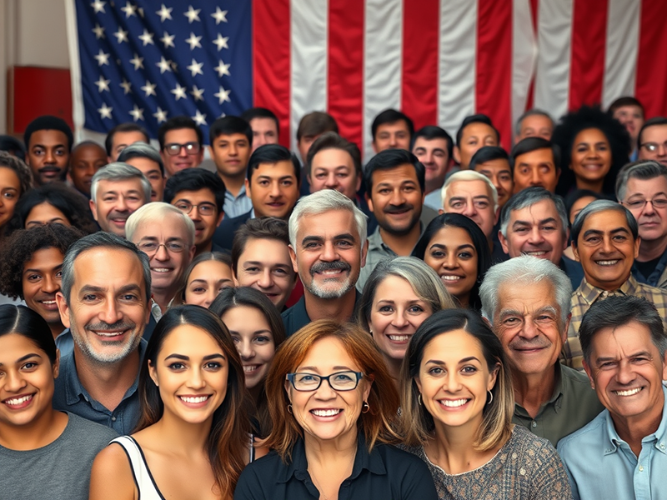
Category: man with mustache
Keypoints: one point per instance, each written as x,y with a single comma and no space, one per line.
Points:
116,192
527,301
328,247
395,180
48,142
534,222
106,313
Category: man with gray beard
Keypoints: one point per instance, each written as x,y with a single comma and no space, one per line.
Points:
328,248
106,313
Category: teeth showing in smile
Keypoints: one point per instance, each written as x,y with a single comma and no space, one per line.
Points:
108,334
18,401
160,269
325,413
48,302
454,404
399,338
447,277
629,392
250,368
537,253
194,400
606,262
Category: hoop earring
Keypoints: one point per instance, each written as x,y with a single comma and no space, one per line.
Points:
490,400
419,399
289,409
365,408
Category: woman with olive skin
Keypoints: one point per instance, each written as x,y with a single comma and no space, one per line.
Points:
332,404
207,275
457,250
36,441
398,296
15,181
457,405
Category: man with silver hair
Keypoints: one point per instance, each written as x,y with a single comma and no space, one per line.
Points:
527,301
116,191
534,222
147,159
106,313
605,239
328,248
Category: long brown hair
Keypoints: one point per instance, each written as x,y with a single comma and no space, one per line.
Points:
229,437
376,424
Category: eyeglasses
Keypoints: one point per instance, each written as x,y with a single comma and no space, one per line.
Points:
339,381
174,148
639,204
652,147
151,248
203,208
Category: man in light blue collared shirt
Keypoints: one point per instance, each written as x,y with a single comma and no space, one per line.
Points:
622,453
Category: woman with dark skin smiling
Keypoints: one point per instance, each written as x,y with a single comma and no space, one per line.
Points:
456,248
257,329
193,439
457,403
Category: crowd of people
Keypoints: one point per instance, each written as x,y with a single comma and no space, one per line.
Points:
449,320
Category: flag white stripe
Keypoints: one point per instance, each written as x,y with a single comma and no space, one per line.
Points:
383,38
456,62
621,51
524,56
552,77
308,23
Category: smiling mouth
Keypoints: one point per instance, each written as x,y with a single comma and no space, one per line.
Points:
18,401
161,269
607,262
628,392
450,277
110,334
250,368
537,253
453,403
193,399
326,413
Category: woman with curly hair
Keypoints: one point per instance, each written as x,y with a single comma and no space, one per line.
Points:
594,146
15,180
52,202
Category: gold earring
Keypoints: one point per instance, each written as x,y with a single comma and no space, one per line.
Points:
419,399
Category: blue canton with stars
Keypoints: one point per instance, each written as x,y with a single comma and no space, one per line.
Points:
145,61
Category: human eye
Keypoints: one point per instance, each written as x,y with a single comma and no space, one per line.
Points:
409,188
343,377
262,339
175,246
263,182
640,359
607,365
549,228
59,274
436,370
437,254
511,321
345,243
287,182
620,237
456,204
416,309
148,247
481,204
32,277
10,195
60,152
38,151
252,270
307,378
129,297
280,271
524,170
636,203
198,290
592,239
236,339
386,309
181,205
469,370
505,177
465,255
29,365
89,297
660,203
213,365
320,175
109,198
177,366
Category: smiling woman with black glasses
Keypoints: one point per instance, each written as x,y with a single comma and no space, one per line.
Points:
332,405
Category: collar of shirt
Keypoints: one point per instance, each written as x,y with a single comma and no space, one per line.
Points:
298,467
654,278
659,437
156,312
376,243
229,196
591,293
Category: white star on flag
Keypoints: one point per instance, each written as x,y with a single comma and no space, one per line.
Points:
196,68
105,111
199,118
168,40
160,115
129,9
137,61
220,16
99,31
179,92
147,38
121,35
127,86
102,84
137,113
192,14
149,88
222,69
102,58
222,95
98,6
221,42
164,65
193,41
197,93
164,13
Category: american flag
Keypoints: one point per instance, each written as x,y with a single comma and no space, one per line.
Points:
436,60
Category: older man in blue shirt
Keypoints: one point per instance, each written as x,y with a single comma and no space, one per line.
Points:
622,453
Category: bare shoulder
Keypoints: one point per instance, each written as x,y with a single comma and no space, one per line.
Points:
111,476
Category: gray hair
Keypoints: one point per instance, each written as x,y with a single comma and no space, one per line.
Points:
424,281
321,202
119,171
523,271
642,169
602,206
157,211
531,112
467,176
141,150
527,198
100,239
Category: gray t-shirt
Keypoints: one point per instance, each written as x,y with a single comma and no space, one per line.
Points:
58,470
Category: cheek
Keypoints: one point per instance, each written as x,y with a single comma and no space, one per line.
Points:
266,352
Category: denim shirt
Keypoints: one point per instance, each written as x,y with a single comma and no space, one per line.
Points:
600,465
71,396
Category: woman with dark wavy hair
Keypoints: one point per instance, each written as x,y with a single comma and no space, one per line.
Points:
594,146
192,439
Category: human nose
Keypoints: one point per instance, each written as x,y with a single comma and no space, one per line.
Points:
648,208
111,314
399,320
393,140
265,280
274,190
535,178
451,262
49,156
182,151
329,252
625,374
51,285
14,381
325,391
211,294
121,204
331,181
195,379
529,330
607,245
245,349
535,235
469,209
161,252
451,382
233,150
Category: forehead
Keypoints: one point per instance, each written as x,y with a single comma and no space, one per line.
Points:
119,186
630,108
646,187
536,156
129,137
623,340
452,346
393,126
48,137
543,209
327,353
171,225
591,135
265,250
203,194
470,189
655,133
536,122
91,267
498,165
263,123
181,135
237,136
9,178
283,168
478,129
606,220
331,158
526,296
327,225
396,175
428,144
44,256
89,150
144,164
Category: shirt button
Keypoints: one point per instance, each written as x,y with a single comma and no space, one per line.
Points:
533,424
662,446
641,468
113,419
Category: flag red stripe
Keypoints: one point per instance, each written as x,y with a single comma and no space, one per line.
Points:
271,60
419,92
493,86
346,67
651,68
589,40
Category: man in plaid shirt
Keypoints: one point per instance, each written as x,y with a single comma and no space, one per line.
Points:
605,239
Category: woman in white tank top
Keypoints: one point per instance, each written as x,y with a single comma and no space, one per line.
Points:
193,438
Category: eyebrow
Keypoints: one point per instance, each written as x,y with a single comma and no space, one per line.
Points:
265,330
183,357
204,281
613,231
93,288
539,222
26,357
260,263
335,368
460,362
30,270
440,245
